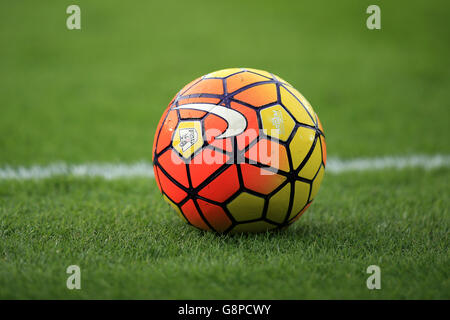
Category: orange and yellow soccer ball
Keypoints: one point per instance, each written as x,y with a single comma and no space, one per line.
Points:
239,150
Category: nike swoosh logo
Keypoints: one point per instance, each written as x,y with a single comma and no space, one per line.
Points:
235,120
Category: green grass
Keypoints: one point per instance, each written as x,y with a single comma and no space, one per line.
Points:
97,95
130,245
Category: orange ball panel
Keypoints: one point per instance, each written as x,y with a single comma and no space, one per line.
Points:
214,126
165,136
212,86
163,117
259,95
222,187
191,213
320,124
191,114
204,164
223,144
260,180
198,100
215,215
174,166
156,172
243,79
189,85
175,193
252,130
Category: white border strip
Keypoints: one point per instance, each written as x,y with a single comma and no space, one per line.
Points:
145,169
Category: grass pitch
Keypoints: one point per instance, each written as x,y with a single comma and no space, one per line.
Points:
128,243
97,95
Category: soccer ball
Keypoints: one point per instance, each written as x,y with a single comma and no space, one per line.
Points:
239,150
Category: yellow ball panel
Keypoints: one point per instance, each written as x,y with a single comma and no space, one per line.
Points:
279,204
246,207
305,102
261,72
295,107
277,122
301,144
317,182
300,197
313,163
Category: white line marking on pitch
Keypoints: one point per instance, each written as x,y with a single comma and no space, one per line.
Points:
145,169
427,162
103,170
